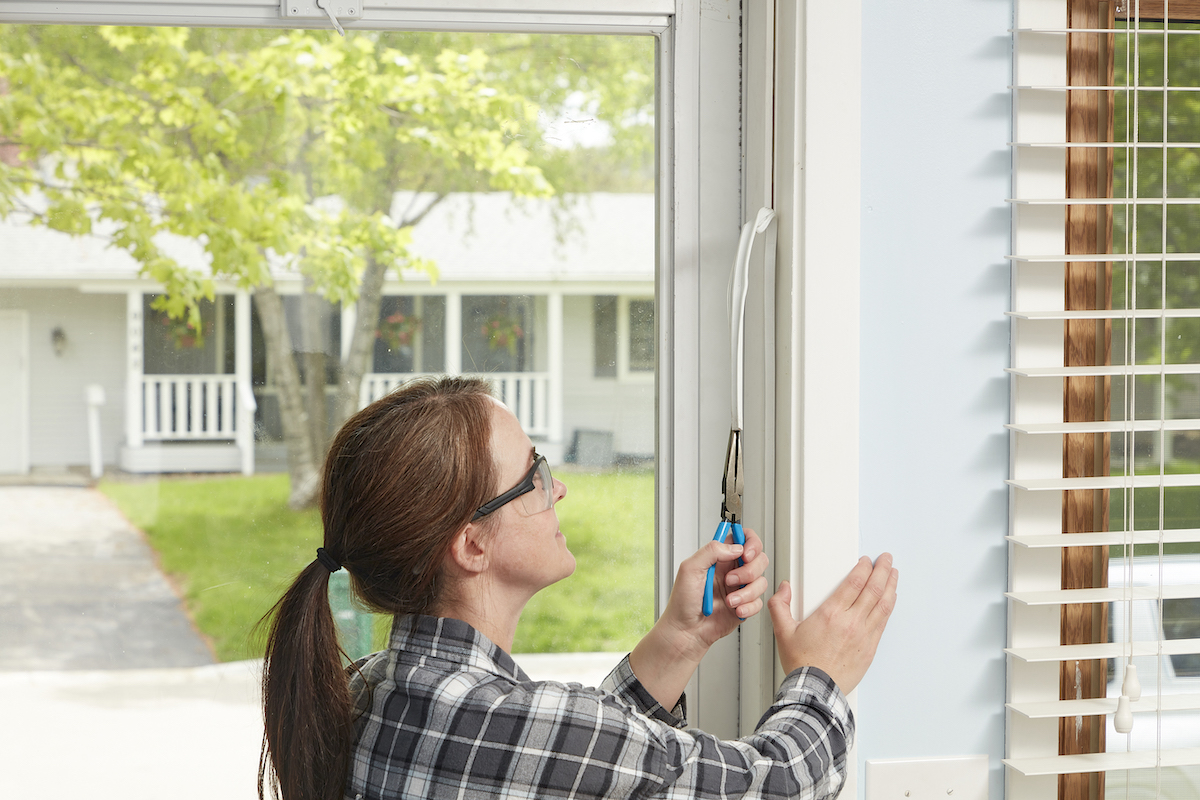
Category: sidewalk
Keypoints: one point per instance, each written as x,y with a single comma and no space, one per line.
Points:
79,588
106,691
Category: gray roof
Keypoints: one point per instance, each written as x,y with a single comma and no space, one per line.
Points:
471,237
494,236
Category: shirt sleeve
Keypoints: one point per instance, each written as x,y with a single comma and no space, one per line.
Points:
579,742
624,684
798,749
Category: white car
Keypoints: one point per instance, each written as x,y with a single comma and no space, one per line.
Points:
1172,675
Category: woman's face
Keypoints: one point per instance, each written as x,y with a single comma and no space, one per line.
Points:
529,553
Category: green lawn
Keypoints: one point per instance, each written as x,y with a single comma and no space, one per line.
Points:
232,546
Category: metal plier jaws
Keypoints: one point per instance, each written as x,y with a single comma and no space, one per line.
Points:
732,481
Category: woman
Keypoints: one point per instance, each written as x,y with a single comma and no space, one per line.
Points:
436,503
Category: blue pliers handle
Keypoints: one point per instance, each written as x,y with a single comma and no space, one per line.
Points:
723,531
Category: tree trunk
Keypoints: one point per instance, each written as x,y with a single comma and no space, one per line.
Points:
314,327
362,340
303,467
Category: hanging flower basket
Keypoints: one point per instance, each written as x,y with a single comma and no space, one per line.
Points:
503,331
398,330
183,334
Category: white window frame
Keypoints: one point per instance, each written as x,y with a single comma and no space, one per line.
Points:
721,155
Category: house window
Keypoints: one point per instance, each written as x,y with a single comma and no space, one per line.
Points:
604,333
623,337
177,347
409,338
640,352
498,333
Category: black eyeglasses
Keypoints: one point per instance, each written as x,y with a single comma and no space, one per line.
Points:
535,492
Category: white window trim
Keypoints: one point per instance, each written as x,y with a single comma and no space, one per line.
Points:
802,450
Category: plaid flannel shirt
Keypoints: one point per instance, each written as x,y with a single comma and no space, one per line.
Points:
450,715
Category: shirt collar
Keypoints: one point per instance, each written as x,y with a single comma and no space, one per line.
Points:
455,641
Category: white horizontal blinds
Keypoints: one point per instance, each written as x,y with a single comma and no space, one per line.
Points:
1106,400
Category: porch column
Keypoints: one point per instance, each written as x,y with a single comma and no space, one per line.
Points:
243,377
453,363
133,369
554,314
349,320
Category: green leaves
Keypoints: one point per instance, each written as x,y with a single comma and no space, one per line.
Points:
230,139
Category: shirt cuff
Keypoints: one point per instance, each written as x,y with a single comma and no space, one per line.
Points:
623,683
813,685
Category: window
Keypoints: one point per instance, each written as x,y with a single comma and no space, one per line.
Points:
604,335
1104,499
623,337
640,320
515,334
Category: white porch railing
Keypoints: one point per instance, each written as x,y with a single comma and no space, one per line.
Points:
527,394
189,407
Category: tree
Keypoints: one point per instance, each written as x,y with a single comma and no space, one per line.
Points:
284,149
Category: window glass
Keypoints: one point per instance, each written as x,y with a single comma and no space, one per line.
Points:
499,334
226,207
641,335
604,327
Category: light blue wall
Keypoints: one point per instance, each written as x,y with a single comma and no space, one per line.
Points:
935,286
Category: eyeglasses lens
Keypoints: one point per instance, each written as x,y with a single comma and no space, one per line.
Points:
542,496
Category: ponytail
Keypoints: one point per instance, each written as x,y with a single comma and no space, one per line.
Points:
306,697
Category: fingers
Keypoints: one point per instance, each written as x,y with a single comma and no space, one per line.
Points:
714,552
875,586
747,600
878,616
755,567
780,607
754,545
852,585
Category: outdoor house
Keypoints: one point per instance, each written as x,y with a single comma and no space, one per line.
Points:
552,301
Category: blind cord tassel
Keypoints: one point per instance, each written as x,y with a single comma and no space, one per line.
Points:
1131,689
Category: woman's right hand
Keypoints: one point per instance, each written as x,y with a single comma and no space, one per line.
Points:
840,637
666,657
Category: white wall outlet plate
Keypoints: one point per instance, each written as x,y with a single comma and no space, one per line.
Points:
308,9
957,778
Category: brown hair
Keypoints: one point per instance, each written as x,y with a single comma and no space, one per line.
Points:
402,477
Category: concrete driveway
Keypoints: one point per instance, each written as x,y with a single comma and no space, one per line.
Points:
80,589
106,690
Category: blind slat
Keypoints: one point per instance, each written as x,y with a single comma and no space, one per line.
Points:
1113,313
1105,482
1105,426
1104,762
1105,539
1089,652
1104,201
1051,709
1105,371
1091,258
1061,88
1054,597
